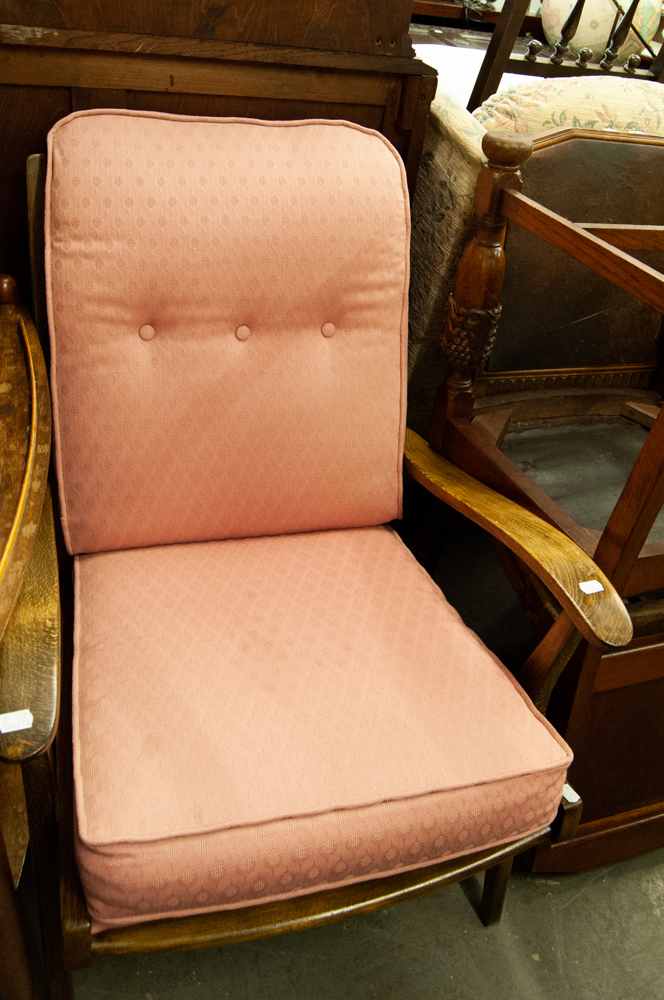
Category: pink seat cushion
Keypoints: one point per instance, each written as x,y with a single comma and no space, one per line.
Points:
267,717
228,314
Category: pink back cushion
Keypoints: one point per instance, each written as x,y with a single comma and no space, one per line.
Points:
227,305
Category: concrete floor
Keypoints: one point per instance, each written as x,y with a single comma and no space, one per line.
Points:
596,936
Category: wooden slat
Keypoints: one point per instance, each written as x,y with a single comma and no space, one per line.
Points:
554,136
547,661
627,237
641,413
498,53
110,70
616,265
634,514
632,666
555,559
470,448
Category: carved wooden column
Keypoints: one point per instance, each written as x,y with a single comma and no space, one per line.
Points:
474,306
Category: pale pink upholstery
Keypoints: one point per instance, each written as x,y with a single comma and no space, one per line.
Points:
256,717
204,231
266,717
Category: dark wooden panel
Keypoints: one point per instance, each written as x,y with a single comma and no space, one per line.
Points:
61,68
26,113
220,106
631,667
351,25
605,842
206,48
556,312
619,755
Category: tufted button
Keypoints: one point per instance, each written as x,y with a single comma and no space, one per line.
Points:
243,332
146,332
328,329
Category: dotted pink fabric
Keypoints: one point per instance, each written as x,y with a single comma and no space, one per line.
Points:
266,717
194,270
255,717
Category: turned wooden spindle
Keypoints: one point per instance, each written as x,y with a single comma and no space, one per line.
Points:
567,34
584,55
474,307
632,64
8,291
534,49
618,37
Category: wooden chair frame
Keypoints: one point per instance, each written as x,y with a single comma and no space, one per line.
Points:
468,428
41,679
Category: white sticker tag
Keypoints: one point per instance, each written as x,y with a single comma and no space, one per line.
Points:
11,722
570,794
591,587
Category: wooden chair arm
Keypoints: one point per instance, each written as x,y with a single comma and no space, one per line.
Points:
600,617
30,650
29,596
25,443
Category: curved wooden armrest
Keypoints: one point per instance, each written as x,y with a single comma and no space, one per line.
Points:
600,617
30,649
29,606
25,445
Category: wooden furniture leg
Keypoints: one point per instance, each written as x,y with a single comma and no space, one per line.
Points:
496,880
15,978
39,793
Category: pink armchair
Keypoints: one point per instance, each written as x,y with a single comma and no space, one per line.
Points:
277,719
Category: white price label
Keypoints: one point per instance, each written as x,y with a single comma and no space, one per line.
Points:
12,722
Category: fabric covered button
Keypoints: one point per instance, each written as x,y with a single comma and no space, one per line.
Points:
328,329
146,332
242,332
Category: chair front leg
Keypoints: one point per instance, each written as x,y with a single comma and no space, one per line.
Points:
496,880
39,782
14,968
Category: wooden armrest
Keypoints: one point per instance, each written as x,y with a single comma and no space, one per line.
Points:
29,600
25,446
30,649
600,617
